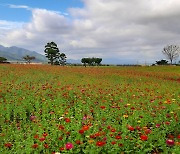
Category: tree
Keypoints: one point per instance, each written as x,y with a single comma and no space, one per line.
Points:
162,62
51,52
84,61
98,61
28,58
62,59
91,61
171,52
3,60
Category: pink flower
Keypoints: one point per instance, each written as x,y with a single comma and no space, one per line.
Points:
69,146
170,142
32,118
85,117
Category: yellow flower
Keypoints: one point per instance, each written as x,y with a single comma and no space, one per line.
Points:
125,116
43,99
90,141
165,102
139,121
128,104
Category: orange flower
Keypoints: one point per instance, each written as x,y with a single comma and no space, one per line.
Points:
85,127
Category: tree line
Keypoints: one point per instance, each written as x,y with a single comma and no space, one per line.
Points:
54,56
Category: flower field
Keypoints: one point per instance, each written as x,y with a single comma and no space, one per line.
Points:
50,109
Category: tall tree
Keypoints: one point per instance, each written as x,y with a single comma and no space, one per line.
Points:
28,58
171,52
51,52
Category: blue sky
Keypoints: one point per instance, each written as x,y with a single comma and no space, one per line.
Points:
120,31
22,15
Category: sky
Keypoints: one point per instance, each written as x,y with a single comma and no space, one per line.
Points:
119,31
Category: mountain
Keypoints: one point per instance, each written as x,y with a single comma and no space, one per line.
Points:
15,54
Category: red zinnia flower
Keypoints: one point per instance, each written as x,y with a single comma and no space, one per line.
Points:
97,134
81,131
61,148
130,128
113,130
102,107
78,142
170,136
36,136
45,134
68,133
60,138
100,143
148,131
100,129
105,138
46,146
178,136
144,137
138,127
92,136
42,139
61,127
113,142
108,127
118,137
120,145
35,146
67,120
167,123
8,145
158,125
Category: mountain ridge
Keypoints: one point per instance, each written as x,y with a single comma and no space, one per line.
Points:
15,53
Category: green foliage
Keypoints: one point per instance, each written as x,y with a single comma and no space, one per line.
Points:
51,52
162,62
28,58
91,61
62,59
2,59
42,108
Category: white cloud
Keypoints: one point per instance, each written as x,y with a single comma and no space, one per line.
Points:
137,29
19,7
10,25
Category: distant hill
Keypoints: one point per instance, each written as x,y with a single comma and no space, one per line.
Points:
15,54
